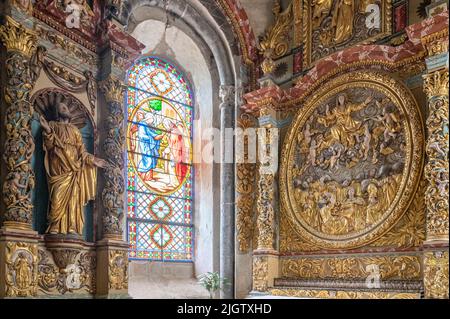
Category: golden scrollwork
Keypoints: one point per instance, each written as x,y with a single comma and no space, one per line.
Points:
275,43
436,274
342,294
69,270
118,269
16,37
260,273
21,269
266,214
389,267
383,100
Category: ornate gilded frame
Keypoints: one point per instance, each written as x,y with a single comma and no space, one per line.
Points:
414,157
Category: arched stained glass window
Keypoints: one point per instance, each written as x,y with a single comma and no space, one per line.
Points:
159,157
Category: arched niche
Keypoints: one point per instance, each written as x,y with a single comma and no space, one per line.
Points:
44,102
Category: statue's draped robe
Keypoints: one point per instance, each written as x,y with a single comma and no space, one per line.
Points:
71,177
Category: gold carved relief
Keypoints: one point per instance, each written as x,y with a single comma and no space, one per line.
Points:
67,271
437,167
260,273
332,25
332,294
389,267
118,269
351,161
245,189
21,269
276,42
436,274
410,230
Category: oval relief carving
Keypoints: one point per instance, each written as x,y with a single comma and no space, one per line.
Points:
351,160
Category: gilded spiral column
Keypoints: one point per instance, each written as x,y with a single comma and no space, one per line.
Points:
18,242
112,255
114,147
265,256
20,44
436,258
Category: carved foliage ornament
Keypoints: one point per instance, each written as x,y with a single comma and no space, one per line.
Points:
352,161
245,189
68,271
113,146
390,267
22,69
260,273
21,269
437,148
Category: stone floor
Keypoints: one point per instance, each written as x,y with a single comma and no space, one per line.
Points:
163,288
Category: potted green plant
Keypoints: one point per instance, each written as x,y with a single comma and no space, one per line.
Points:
212,282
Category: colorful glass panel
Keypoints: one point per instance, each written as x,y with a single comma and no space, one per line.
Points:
160,173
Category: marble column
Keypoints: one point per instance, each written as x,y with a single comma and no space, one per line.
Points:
436,258
18,242
227,96
112,255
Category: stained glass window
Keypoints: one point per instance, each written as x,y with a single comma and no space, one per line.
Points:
159,162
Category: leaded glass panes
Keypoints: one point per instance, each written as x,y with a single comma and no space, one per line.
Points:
159,162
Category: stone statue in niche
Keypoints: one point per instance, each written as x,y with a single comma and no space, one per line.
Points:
71,170
349,162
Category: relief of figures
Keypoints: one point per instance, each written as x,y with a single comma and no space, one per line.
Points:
349,162
340,23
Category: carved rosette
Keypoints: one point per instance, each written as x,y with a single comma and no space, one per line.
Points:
437,147
118,269
21,269
436,274
22,70
113,146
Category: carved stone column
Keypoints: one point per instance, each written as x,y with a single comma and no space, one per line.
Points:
436,259
265,257
112,255
114,148
227,96
18,242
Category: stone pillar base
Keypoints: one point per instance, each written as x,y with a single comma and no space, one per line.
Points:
436,270
112,269
18,263
265,270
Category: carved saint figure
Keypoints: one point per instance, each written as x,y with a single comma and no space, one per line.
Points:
344,127
71,173
321,8
342,22
23,271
